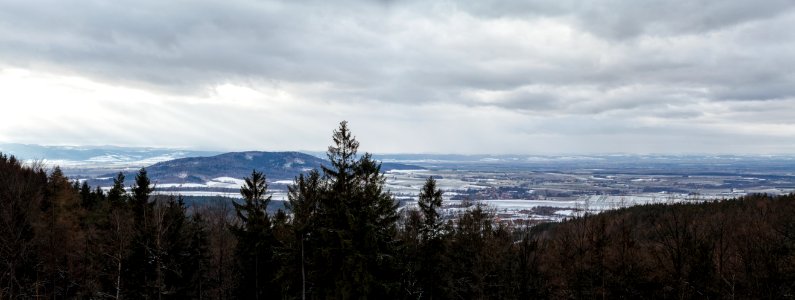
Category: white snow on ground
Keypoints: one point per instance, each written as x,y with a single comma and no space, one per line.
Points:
229,180
406,184
521,204
198,193
405,171
180,185
226,182
519,209
276,195
110,158
565,212
605,202
112,161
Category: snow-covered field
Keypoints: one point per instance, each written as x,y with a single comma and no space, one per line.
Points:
406,184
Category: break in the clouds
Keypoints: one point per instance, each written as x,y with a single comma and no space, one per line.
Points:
410,76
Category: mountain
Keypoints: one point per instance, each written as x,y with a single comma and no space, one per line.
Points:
275,165
237,165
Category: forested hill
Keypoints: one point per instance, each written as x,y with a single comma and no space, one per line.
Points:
344,238
730,249
277,166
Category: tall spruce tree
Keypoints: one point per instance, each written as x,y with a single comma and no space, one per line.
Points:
141,191
429,201
432,250
255,240
356,226
297,274
142,264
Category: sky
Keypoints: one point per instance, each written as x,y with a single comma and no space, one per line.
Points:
485,77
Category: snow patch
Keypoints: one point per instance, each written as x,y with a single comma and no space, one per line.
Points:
180,185
226,182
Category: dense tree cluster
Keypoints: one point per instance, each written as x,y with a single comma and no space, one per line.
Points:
343,237
61,239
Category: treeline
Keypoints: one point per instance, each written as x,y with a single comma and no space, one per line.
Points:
60,239
343,237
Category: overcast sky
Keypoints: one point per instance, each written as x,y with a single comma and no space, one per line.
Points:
534,77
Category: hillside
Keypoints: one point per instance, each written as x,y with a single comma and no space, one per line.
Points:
275,165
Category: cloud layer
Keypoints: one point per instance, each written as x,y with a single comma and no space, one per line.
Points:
411,76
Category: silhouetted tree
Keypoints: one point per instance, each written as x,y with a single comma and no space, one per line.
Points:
117,194
254,252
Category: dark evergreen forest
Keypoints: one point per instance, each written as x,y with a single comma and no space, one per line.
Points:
343,237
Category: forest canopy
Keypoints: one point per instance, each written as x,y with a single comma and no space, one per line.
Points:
343,236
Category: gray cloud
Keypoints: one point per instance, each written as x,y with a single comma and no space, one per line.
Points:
629,19
665,62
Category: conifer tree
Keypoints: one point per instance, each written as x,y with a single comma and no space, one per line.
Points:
194,276
61,234
356,224
179,250
429,201
21,193
143,262
117,195
141,191
99,195
432,250
255,240
86,199
303,202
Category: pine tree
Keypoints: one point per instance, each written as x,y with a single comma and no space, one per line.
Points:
143,263
303,202
117,195
255,240
86,199
432,250
194,274
99,195
429,201
179,250
141,191
356,226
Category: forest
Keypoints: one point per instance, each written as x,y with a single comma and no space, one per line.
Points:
343,236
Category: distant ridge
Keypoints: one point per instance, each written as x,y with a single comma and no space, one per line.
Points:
97,154
275,165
